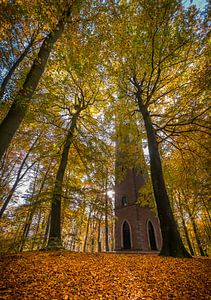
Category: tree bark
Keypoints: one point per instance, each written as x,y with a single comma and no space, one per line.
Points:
15,66
106,224
194,225
172,243
30,214
184,226
27,225
20,105
34,240
196,233
92,236
19,177
106,214
80,228
34,205
99,248
87,230
112,236
45,238
54,241
195,229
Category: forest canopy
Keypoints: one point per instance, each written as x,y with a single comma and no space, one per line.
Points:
75,75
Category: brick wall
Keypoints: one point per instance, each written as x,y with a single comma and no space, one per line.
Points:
136,216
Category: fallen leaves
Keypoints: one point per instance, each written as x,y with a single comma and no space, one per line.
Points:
78,276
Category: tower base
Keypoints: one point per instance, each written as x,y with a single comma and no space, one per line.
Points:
137,229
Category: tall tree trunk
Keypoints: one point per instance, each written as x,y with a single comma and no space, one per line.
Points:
20,105
187,236
27,225
207,210
87,230
106,225
106,214
34,242
99,248
30,215
172,242
80,228
179,204
74,239
18,237
196,232
92,236
46,234
195,229
43,225
15,66
112,236
54,241
194,225
207,227
19,177
34,205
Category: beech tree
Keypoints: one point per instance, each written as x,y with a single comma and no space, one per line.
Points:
55,227
21,102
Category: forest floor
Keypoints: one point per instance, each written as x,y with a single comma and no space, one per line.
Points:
67,275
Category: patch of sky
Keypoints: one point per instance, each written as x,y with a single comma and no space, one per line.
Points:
200,4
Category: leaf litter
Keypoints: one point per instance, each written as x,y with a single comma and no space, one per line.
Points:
78,276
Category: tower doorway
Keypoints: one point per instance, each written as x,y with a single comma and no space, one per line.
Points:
126,236
151,235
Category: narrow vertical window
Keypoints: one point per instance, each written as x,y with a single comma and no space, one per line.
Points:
151,234
126,236
124,201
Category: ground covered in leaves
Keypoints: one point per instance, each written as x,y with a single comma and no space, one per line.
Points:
66,275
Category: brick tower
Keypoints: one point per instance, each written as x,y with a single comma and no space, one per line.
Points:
136,227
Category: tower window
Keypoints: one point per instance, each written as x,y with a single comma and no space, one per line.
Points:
151,235
124,201
126,236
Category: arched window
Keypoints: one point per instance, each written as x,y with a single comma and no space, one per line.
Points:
126,235
124,201
151,235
